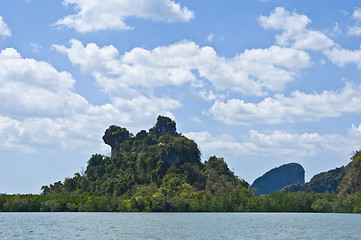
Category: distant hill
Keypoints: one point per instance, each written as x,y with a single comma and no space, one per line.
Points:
351,183
277,178
322,182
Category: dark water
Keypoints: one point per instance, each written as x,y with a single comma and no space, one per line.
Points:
179,226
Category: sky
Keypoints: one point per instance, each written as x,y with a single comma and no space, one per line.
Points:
260,83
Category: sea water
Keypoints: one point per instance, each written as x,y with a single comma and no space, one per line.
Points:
179,226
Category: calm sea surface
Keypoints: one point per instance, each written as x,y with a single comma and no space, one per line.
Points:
179,226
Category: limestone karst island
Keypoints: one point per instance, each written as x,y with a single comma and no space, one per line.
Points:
161,170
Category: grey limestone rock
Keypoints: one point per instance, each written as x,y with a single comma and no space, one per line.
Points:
114,136
278,178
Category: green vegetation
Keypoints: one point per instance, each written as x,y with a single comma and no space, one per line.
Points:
238,200
322,182
351,183
160,170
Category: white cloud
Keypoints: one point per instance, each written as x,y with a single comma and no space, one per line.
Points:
39,109
141,108
294,30
250,72
341,57
91,57
278,143
273,67
34,88
94,15
298,107
210,96
356,29
281,143
219,145
357,14
44,109
4,29
295,33
10,134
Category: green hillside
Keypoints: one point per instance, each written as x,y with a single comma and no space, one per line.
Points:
322,182
351,183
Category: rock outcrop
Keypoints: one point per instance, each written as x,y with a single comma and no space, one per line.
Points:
114,136
164,126
278,178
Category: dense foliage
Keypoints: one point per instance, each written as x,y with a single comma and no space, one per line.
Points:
351,183
238,200
322,182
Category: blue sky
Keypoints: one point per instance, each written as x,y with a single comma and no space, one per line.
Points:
260,83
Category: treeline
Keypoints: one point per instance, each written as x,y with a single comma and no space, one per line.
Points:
239,200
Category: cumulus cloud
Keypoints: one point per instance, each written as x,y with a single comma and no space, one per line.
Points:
251,72
297,34
4,29
220,145
40,108
299,107
295,31
141,108
273,67
10,134
44,109
31,87
341,57
94,15
278,143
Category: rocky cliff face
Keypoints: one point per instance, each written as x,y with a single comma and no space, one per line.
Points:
114,136
171,156
277,178
176,149
164,126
